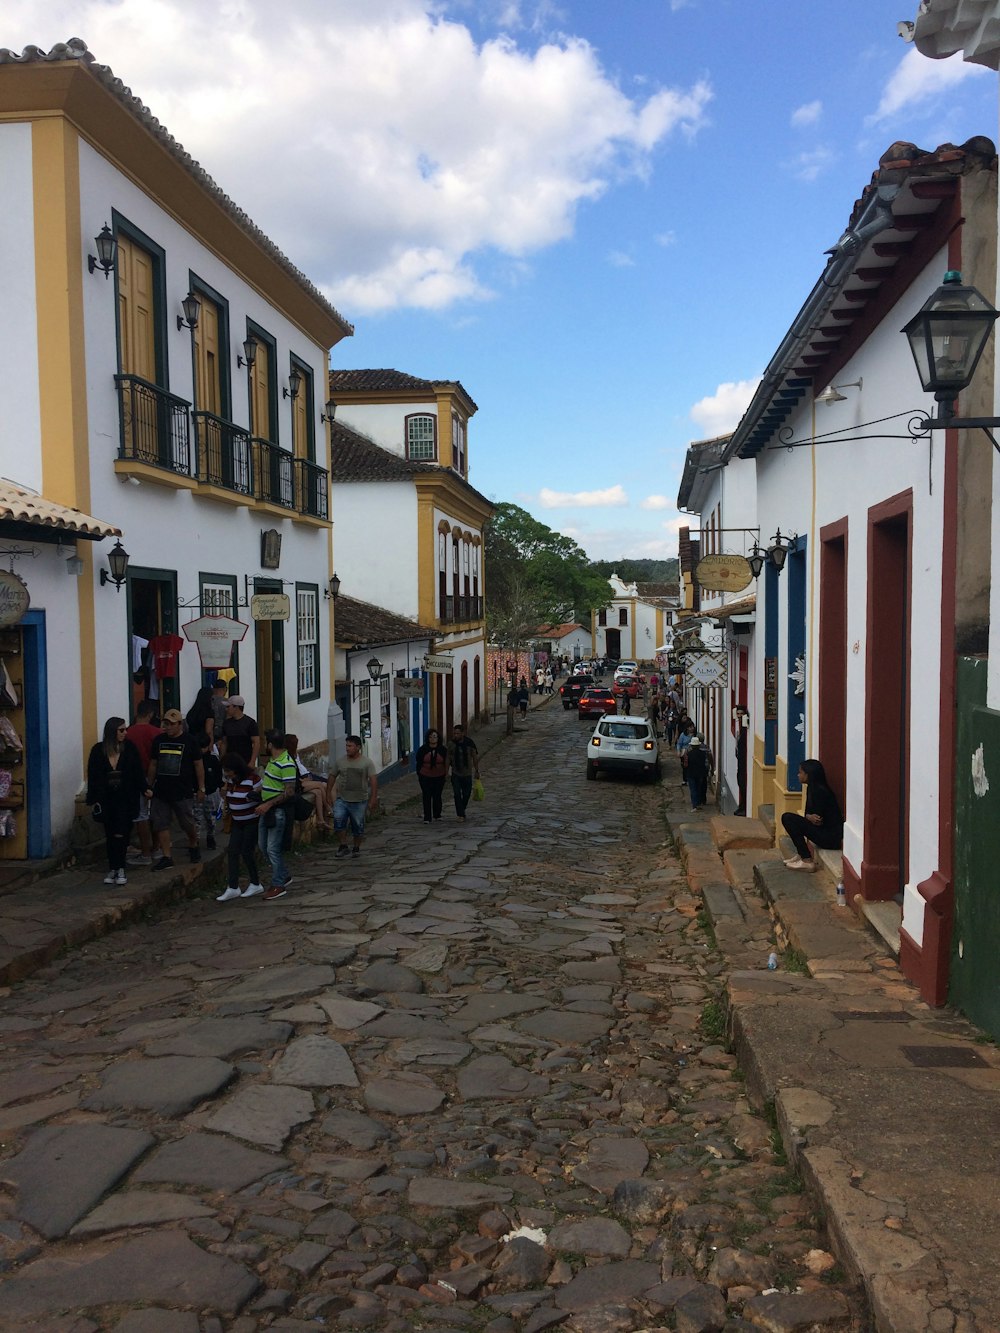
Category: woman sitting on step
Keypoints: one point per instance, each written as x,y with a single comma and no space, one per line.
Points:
822,825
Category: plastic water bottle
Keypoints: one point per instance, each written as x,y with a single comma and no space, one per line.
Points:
841,894
772,962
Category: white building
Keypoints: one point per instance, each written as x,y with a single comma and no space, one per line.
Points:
631,626
410,524
122,400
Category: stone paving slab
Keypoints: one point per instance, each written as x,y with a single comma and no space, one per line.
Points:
209,1161
170,1085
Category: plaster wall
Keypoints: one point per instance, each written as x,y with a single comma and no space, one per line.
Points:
20,425
395,657
804,489
384,422
376,543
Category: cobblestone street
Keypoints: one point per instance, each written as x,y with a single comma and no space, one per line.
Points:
475,1079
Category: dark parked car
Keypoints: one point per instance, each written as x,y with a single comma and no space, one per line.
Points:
573,688
596,702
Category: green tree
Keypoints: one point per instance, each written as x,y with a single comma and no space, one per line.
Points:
535,575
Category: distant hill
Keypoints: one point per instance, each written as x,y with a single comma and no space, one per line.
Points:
638,571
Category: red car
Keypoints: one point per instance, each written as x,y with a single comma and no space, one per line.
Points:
596,703
629,685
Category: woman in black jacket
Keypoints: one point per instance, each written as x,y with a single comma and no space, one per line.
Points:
115,781
432,768
822,825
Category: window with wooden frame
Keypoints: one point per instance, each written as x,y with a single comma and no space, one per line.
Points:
307,638
458,447
602,617
139,285
263,385
303,412
421,437
442,570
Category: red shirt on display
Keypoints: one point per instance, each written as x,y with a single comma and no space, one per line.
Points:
165,648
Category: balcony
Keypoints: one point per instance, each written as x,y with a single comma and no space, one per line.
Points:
273,474
225,454
312,489
155,429
458,610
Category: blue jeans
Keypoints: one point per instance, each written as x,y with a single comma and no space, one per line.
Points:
271,843
349,812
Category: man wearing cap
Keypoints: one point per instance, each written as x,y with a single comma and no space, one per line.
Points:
697,770
176,776
240,734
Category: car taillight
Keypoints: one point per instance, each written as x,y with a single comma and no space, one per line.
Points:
648,745
595,740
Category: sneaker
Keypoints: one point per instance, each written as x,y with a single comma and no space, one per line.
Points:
275,891
252,890
210,842
343,851
164,863
355,851
121,878
137,859
228,896
111,877
194,854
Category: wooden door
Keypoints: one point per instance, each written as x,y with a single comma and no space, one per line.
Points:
260,394
144,432
207,361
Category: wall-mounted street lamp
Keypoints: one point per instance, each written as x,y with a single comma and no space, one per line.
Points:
374,672
192,309
118,563
294,385
756,560
107,252
947,336
331,408
249,354
776,554
333,591
831,394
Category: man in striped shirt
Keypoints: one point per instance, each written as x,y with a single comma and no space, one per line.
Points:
277,789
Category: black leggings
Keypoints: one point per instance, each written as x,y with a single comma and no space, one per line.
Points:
117,831
431,790
242,845
798,829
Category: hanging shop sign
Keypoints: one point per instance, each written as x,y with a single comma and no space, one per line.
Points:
408,687
439,664
15,599
271,606
723,573
708,669
215,636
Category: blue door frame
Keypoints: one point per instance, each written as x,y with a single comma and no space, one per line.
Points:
38,794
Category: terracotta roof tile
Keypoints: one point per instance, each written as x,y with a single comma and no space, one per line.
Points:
21,506
356,457
363,381
361,625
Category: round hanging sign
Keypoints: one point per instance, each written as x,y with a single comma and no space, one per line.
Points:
14,598
723,573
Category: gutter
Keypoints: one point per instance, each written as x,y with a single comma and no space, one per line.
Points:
876,218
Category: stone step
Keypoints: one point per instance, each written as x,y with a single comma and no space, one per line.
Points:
885,919
765,814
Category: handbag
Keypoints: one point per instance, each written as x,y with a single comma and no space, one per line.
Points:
478,790
302,807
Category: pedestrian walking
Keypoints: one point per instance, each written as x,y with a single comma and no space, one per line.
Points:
242,796
822,824
277,791
539,680
523,698
432,769
697,771
549,681
176,777
653,713
240,734
201,715
115,783
352,792
142,733
626,701
463,758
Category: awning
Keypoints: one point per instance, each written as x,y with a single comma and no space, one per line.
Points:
34,515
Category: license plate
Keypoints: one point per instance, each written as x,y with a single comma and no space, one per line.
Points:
621,745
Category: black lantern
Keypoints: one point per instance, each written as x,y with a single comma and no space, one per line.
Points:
118,563
334,588
777,552
249,353
947,336
107,251
374,668
192,309
331,408
294,384
756,560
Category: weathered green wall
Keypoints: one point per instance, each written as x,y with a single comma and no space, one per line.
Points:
975,961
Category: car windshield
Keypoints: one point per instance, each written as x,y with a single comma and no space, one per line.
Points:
623,731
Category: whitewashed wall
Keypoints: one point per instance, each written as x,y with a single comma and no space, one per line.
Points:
375,543
20,426
384,422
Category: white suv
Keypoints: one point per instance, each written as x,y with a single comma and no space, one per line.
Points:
624,743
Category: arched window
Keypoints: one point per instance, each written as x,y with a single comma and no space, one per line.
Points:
421,437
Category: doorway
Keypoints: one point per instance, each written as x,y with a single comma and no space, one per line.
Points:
151,608
833,657
269,644
887,700
613,644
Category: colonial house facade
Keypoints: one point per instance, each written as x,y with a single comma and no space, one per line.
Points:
410,524
163,365
631,626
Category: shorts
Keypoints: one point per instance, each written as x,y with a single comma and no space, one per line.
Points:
143,816
160,812
352,812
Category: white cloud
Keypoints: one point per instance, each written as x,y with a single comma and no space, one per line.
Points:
721,411
666,238
808,166
807,114
378,144
655,502
916,79
613,495
619,259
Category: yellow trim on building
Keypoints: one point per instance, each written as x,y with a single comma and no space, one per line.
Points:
427,539
62,363
762,778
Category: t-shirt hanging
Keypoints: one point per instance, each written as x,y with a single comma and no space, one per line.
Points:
165,648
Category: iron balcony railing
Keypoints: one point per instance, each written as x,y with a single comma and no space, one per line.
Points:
312,489
225,454
455,610
273,474
155,425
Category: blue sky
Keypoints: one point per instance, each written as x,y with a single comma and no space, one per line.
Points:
599,215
